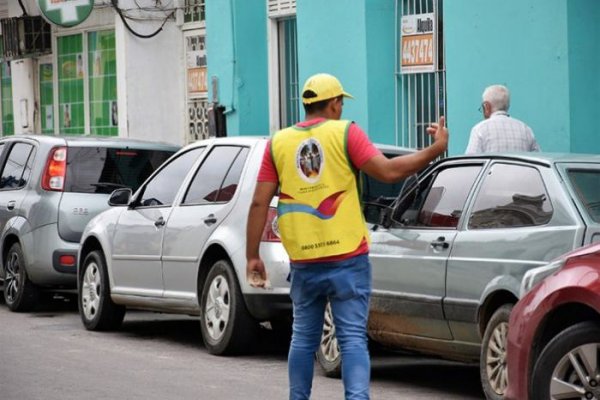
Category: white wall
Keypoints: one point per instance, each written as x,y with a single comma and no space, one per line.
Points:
150,82
23,95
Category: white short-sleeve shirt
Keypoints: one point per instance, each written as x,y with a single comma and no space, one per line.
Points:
501,133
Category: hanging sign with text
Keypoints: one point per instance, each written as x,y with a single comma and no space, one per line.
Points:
418,44
66,12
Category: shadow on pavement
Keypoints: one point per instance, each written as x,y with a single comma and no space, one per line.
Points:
186,331
451,377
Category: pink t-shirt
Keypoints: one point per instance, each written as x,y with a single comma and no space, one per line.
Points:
360,150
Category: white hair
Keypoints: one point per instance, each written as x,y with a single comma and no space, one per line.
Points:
498,96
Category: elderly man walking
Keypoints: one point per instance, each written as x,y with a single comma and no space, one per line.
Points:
499,132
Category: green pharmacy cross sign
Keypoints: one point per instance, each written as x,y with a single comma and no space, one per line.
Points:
66,12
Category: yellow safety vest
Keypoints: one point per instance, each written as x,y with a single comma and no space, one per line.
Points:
319,212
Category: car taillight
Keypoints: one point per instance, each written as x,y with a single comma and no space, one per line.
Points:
56,170
271,231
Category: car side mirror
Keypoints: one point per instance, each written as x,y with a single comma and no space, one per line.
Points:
376,213
409,193
120,197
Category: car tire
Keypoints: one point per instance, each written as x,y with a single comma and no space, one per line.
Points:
20,294
329,355
492,362
554,363
227,326
97,310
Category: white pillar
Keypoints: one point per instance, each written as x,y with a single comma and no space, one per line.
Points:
23,95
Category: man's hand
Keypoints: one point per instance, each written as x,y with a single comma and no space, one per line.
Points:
439,132
256,274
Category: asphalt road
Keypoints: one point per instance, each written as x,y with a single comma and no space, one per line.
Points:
47,354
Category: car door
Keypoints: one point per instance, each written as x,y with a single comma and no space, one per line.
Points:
137,241
409,258
14,177
206,203
518,221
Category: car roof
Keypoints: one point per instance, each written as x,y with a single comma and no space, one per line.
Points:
250,140
238,140
533,157
97,141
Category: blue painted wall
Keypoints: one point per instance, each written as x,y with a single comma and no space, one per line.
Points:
584,74
356,44
381,65
237,55
332,39
521,44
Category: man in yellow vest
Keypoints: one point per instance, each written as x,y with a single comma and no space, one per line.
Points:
314,164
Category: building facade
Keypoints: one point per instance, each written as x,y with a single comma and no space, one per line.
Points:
545,51
181,70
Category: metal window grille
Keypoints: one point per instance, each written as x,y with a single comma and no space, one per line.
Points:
289,107
195,11
281,8
420,97
196,94
197,120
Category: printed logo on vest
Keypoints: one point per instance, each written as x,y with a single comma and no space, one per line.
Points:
310,160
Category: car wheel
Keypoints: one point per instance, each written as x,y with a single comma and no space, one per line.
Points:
568,366
96,308
227,327
492,364
329,355
20,294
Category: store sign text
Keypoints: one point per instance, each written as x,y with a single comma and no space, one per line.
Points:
418,43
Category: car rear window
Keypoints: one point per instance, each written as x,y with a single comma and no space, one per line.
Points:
104,169
586,183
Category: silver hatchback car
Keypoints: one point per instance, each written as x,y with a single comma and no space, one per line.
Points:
178,245
50,187
449,255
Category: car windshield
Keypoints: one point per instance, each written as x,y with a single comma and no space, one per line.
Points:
102,170
586,183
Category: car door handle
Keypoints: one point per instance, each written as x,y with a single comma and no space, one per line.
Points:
11,205
210,219
440,243
159,222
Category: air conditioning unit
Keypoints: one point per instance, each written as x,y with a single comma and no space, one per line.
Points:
26,36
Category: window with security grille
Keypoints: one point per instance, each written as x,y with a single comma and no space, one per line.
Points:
283,64
420,71
289,101
197,85
195,11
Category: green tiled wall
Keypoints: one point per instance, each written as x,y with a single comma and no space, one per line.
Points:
70,85
8,125
46,99
102,72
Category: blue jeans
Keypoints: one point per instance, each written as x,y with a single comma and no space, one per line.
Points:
347,286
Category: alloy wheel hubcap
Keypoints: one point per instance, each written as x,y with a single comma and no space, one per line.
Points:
496,359
90,291
329,343
13,278
577,375
218,306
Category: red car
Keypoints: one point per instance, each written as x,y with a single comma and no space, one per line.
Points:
554,331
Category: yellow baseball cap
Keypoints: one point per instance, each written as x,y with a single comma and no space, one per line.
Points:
324,86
